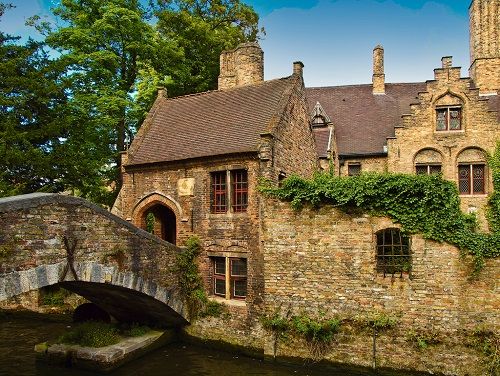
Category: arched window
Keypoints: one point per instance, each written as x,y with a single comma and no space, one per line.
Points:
449,115
428,161
393,252
471,172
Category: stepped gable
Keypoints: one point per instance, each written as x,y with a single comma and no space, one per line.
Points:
209,124
361,119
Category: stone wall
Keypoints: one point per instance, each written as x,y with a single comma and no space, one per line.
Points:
108,251
324,261
368,164
289,147
479,133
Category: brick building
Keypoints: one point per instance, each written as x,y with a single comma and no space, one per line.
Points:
197,159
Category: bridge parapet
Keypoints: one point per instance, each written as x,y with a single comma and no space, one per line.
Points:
49,238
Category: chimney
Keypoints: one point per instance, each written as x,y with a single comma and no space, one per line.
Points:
378,78
298,68
446,62
242,66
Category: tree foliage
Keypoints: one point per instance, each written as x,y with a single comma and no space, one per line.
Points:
70,104
202,29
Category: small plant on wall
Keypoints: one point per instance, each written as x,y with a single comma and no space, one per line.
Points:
191,283
487,342
279,326
150,223
319,334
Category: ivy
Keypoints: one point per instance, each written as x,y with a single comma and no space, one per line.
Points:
150,223
191,282
424,204
493,212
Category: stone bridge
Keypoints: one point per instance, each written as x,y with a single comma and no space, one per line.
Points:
48,239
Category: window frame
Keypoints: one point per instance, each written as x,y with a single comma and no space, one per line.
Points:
218,192
470,180
428,167
355,165
239,191
404,258
448,110
230,279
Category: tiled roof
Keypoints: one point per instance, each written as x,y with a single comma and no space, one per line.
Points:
322,138
362,120
208,124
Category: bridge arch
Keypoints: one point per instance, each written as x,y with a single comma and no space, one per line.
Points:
51,239
124,295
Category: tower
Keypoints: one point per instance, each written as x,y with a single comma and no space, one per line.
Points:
484,17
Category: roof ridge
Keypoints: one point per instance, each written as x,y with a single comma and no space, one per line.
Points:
363,85
266,82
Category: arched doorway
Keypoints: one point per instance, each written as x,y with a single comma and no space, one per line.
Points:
160,220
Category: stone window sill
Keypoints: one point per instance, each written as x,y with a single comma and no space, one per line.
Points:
231,302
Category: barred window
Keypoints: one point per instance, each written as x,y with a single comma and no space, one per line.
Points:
449,119
218,192
239,200
354,169
471,179
393,252
235,282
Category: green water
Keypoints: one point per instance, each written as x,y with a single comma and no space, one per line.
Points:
20,332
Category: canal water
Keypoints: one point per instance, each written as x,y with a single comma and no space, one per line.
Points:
19,333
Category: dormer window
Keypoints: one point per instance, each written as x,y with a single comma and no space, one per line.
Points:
449,119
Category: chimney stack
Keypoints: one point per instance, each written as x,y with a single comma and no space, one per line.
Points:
298,68
378,78
242,66
446,62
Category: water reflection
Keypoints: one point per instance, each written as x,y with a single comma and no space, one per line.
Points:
20,332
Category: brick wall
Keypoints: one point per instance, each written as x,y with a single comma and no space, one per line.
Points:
324,261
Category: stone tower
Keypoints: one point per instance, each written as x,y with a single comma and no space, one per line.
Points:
242,66
484,18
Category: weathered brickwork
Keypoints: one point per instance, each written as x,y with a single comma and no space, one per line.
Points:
479,133
367,164
242,66
107,250
289,146
331,267
485,45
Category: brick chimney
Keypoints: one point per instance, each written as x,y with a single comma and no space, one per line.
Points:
298,68
378,78
242,66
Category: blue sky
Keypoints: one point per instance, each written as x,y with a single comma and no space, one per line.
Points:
335,38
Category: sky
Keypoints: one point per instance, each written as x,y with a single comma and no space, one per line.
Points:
335,38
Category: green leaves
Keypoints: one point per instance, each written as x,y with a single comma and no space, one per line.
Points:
420,203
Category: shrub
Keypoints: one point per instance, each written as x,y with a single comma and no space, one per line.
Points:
91,334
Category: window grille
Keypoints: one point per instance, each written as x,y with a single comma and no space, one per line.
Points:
239,200
430,169
353,169
471,179
449,119
219,192
393,252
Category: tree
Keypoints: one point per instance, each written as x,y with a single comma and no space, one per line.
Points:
105,45
203,29
31,116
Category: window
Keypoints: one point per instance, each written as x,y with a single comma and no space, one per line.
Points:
234,287
239,201
471,179
236,189
449,119
354,169
393,252
219,192
427,169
